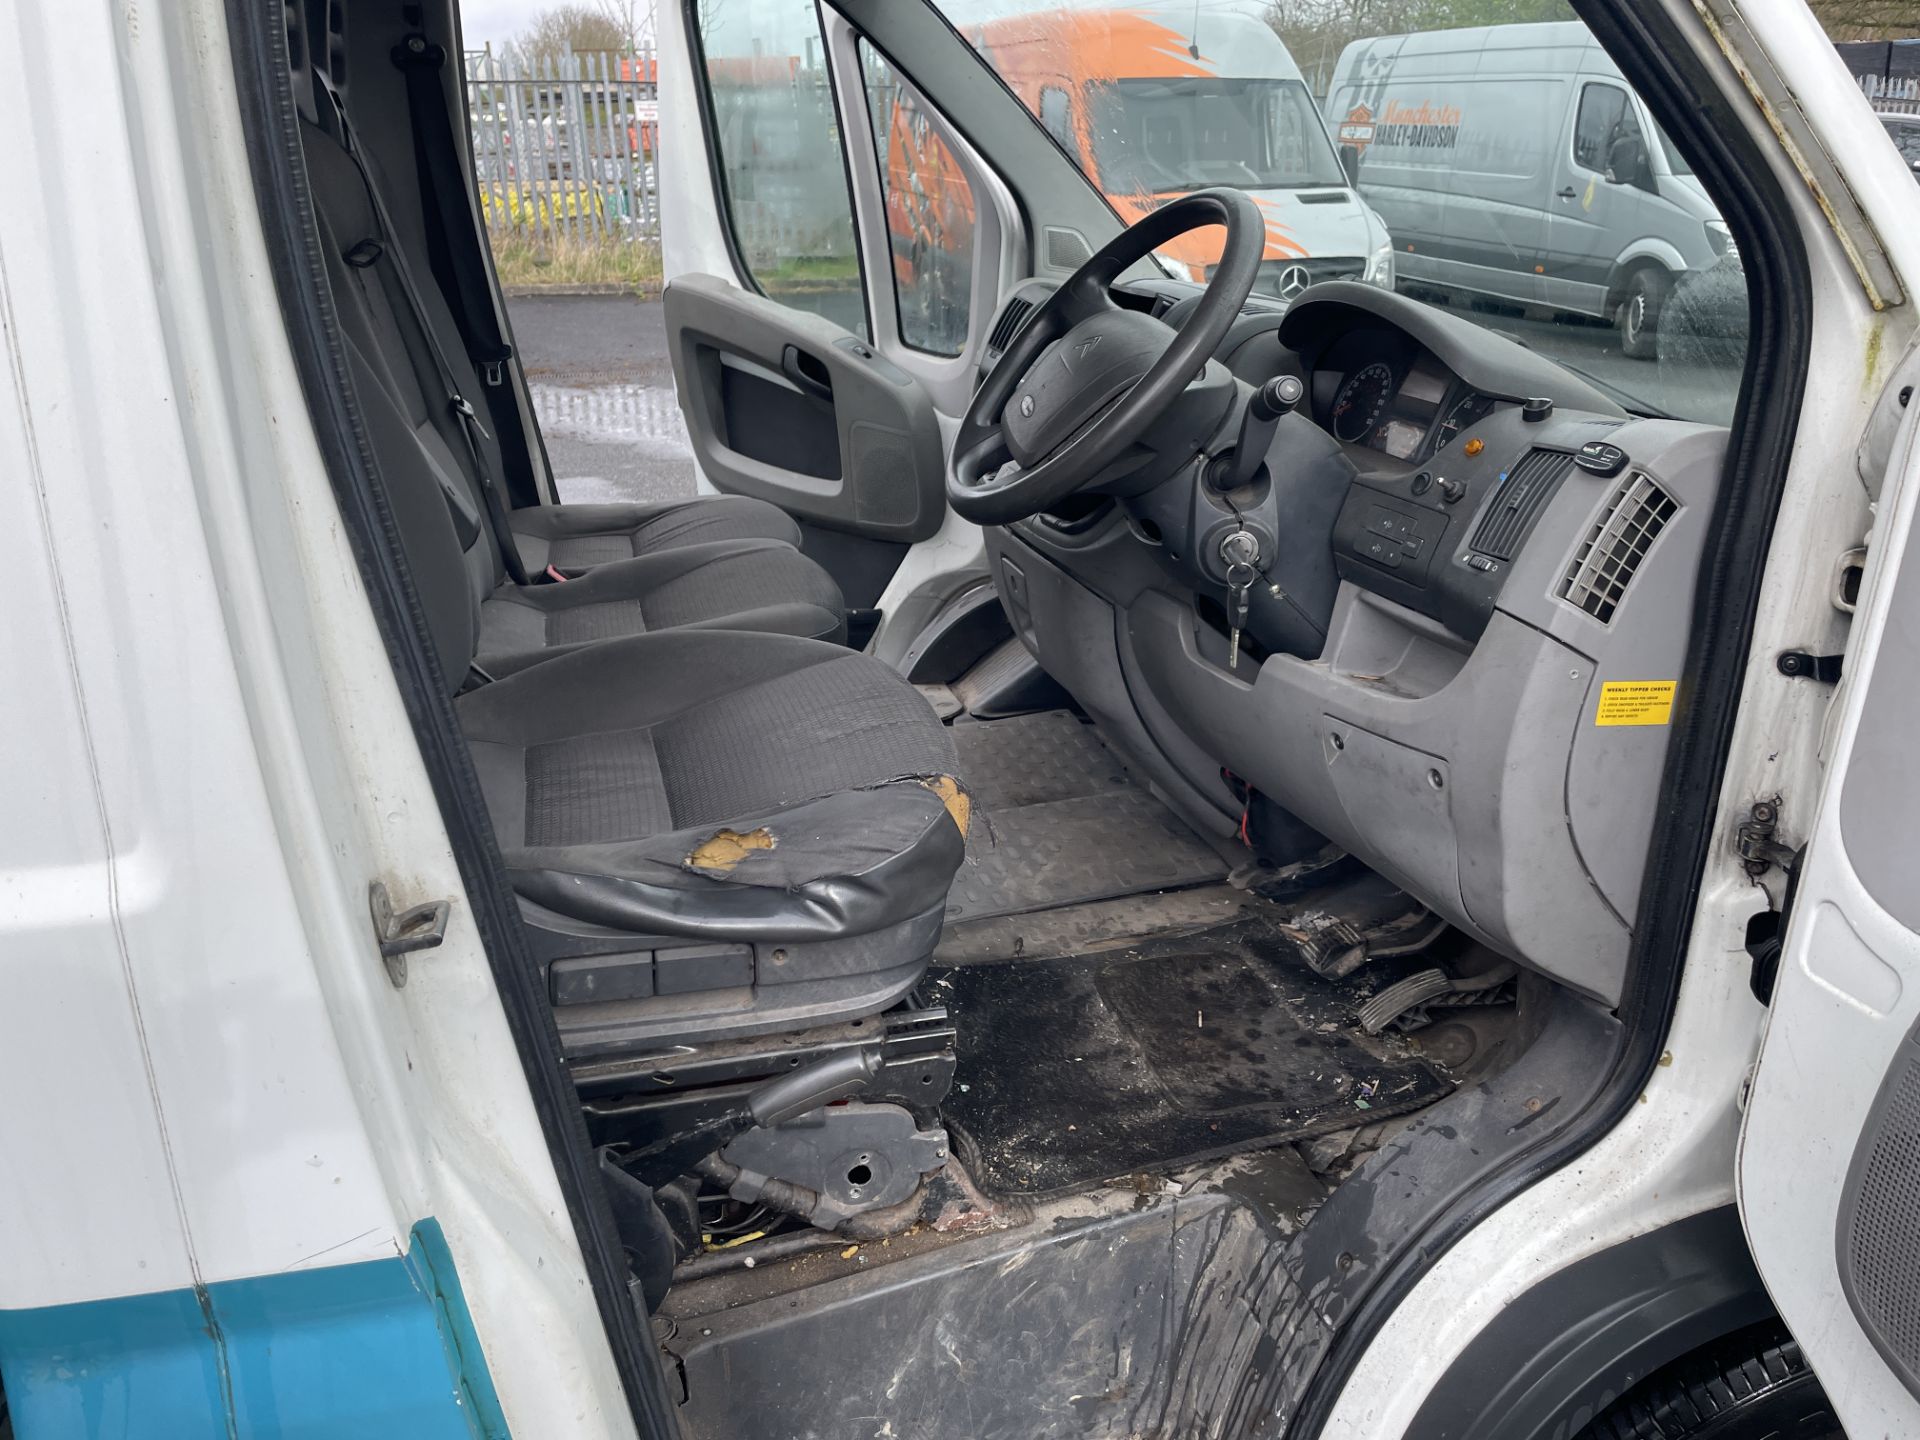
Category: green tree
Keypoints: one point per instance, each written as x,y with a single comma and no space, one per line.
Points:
1868,19
1316,31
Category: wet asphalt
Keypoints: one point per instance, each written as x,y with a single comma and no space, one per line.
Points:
603,391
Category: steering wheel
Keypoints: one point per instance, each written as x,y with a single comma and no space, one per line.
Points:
1086,379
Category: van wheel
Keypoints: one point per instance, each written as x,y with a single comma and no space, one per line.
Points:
1639,313
1753,1385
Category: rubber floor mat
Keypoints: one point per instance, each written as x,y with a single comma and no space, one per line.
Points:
1057,821
1087,1069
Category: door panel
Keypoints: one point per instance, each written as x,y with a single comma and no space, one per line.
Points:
792,408
1830,1153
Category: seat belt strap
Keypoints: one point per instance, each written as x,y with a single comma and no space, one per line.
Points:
472,432
438,160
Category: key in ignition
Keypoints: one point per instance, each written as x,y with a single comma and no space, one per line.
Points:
1240,578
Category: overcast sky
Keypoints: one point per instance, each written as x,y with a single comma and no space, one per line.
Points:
497,21
482,21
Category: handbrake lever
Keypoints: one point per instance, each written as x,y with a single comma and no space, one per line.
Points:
1265,407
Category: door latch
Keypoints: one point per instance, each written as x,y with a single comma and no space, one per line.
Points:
421,927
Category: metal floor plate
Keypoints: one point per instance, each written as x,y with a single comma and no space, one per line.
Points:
1057,821
1174,1052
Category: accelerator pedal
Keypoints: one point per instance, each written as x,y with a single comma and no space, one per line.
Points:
1409,1003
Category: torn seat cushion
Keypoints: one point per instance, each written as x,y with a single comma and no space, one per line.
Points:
763,585
576,536
769,788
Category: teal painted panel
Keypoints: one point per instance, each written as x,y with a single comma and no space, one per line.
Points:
376,1349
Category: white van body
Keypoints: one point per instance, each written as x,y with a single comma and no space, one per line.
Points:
1514,163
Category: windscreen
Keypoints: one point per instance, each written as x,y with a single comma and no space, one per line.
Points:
1503,172
1159,136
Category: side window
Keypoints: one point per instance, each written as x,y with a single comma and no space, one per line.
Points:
1605,122
929,208
777,142
1056,113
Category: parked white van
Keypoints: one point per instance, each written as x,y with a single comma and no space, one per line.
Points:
1514,162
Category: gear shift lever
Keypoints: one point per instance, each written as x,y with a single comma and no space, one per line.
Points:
1277,397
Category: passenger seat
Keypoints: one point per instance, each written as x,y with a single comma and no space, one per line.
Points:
721,563
575,537
712,832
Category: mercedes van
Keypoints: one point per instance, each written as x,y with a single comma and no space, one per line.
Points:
1513,163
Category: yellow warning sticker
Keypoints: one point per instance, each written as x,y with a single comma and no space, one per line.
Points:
1635,702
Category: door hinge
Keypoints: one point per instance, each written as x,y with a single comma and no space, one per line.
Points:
1801,665
1757,839
420,927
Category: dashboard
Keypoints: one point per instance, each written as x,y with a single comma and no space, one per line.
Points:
1471,560
1380,391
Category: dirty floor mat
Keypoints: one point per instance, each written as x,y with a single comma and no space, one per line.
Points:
1087,1069
1057,821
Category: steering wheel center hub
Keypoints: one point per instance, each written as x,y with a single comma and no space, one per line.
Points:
1077,397
1079,375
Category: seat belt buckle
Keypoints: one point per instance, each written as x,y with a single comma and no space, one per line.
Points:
557,575
493,372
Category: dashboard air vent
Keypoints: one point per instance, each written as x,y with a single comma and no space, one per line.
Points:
1634,516
1519,501
1012,317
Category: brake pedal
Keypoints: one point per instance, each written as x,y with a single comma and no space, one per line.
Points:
1336,947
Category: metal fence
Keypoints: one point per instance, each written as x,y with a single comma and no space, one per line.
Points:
564,146
1891,96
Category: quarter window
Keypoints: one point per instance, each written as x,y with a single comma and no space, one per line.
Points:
929,209
776,140
1056,114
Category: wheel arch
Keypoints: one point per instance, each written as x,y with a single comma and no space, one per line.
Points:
1568,1348
1648,253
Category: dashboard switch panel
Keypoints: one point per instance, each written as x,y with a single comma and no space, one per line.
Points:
1398,539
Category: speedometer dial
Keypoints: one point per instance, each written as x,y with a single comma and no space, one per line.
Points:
1361,402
